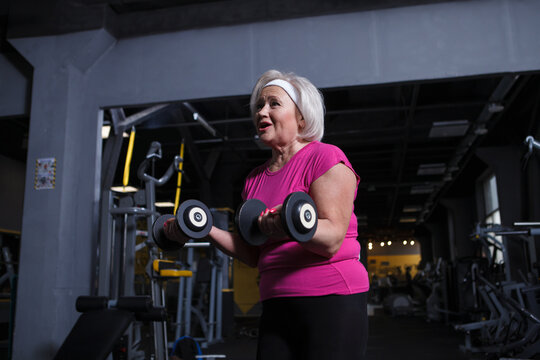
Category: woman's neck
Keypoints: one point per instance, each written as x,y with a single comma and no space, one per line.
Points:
282,154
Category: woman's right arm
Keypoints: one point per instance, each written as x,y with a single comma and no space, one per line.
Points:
232,245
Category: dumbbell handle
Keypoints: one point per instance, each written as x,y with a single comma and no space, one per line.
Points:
298,217
193,219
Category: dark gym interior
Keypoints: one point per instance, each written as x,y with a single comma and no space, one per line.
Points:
435,103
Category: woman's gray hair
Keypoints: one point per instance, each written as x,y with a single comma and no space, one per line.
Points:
310,103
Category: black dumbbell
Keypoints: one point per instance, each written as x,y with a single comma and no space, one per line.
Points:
194,220
298,217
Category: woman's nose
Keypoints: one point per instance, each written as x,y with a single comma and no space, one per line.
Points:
263,110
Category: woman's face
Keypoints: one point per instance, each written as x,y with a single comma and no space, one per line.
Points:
277,118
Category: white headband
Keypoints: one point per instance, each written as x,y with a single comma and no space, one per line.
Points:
285,85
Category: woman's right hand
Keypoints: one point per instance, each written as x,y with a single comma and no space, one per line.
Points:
270,223
173,232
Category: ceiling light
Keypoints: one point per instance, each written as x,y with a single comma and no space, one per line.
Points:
481,130
422,189
407,220
412,242
389,243
449,128
382,244
198,118
412,208
124,189
495,107
404,242
105,131
431,169
164,204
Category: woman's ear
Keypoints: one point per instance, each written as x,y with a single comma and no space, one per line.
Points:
301,122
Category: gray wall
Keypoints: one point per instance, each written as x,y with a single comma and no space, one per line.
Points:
76,74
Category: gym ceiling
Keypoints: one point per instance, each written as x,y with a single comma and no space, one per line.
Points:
411,143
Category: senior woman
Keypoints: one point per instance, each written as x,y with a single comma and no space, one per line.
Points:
314,293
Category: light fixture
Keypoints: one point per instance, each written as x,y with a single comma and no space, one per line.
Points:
389,243
481,130
431,169
412,208
105,131
404,242
382,243
198,118
124,189
407,220
449,128
422,189
495,107
412,242
164,204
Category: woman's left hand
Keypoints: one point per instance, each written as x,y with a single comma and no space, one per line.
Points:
270,223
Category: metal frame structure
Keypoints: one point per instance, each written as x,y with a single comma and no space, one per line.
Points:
116,258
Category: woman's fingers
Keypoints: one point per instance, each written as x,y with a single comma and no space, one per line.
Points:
172,231
270,223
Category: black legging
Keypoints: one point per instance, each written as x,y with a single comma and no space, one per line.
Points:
314,328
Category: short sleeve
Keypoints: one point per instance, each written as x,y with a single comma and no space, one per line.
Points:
324,158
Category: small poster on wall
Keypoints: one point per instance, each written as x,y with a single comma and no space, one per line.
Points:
45,173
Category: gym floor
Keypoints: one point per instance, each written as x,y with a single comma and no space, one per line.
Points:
404,338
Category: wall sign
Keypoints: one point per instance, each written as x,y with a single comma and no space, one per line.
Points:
45,175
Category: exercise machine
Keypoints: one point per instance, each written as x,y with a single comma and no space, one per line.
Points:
510,307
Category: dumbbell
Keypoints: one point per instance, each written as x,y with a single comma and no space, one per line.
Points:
194,220
298,218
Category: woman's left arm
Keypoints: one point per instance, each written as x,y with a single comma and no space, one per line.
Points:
333,194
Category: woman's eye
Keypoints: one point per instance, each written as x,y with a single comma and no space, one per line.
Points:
275,103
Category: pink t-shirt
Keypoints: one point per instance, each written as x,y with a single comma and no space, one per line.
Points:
285,267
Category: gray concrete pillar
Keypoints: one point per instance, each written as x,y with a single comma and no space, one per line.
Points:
58,242
505,162
462,214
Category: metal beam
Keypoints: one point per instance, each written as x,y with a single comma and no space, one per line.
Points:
139,117
403,153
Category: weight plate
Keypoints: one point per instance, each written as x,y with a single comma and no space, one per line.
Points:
306,217
159,235
299,216
194,219
246,221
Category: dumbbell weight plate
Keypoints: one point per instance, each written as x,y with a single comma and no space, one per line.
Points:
159,236
299,216
194,219
246,221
